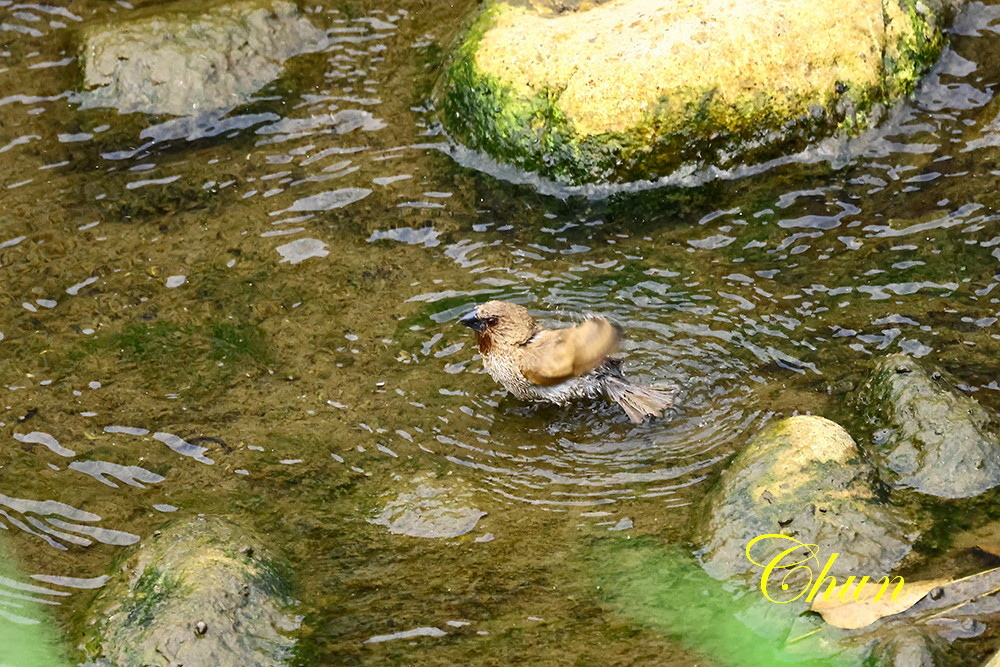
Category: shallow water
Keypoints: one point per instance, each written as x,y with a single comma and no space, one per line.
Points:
254,316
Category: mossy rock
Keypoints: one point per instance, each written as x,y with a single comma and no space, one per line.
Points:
930,437
202,592
633,89
804,478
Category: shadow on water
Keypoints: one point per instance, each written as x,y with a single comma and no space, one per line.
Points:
254,316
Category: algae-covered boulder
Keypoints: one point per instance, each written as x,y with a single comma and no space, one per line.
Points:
585,91
930,437
191,57
803,478
200,593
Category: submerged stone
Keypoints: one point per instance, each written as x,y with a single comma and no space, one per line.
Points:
201,593
930,437
432,508
191,57
802,477
910,647
585,91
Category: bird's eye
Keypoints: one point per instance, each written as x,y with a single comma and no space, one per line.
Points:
491,321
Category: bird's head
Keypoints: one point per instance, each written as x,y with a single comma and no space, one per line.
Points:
500,322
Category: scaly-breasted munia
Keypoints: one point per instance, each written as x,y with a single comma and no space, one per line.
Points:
559,365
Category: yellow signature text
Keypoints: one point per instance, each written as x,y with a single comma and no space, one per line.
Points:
797,562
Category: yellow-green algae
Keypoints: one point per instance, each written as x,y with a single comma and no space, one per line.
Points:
633,89
665,589
27,636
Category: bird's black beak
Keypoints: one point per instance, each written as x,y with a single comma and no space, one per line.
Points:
473,321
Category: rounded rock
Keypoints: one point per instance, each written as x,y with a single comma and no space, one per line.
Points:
584,91
188,580
802,477
930,438
431,507
227,49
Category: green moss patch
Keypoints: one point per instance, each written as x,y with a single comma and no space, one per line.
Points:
153,587
666,590
170,342
529,132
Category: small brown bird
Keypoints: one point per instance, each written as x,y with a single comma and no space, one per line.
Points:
559,365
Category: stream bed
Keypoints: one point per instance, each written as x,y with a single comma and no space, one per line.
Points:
254,316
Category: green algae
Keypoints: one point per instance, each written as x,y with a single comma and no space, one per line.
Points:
27,636
914,54
193,358
664,588
237,341
150,590
161,342
144,343
532,132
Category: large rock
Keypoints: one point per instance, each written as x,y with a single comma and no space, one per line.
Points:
586,91
191,57
802,477
201,593
930,437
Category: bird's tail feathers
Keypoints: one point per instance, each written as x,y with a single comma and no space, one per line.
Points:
639,402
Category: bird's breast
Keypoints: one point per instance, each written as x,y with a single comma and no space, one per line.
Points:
504,369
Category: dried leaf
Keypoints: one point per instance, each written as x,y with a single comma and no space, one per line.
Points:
851,614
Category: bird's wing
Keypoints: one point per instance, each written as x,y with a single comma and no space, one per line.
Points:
555,355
